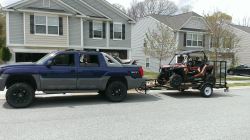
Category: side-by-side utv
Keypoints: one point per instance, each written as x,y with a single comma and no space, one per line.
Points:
191,69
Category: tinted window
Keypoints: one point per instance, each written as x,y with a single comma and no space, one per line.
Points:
64,60
87,60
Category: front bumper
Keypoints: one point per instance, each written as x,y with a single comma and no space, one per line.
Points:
135,83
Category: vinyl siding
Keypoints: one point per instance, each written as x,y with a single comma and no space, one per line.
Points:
81,7
90,42
182,47
139,31
196,23
123,43
39,4
243,53
61,41
115,18
74,31
16,31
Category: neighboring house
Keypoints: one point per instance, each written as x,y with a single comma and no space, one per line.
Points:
191,32
243,52
37,27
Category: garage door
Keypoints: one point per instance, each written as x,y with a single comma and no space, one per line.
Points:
29,57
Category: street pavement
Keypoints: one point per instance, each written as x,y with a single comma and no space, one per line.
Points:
159,115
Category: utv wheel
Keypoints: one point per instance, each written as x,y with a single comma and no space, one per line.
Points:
116,91
161,79
20,95
207,90
175,81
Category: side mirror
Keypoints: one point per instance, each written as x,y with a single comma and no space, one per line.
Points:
49,63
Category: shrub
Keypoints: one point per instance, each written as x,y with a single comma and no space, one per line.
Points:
5,54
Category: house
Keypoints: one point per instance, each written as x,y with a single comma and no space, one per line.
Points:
243,33
37,27
191,32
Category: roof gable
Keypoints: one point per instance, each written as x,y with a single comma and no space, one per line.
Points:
177,22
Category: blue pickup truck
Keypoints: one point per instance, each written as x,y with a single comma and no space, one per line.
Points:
69,71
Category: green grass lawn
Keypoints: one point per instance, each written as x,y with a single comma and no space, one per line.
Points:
150,75
239,85
237,78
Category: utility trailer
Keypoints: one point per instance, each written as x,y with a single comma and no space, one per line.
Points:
190,73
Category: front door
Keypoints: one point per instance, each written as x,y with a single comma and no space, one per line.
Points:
61,75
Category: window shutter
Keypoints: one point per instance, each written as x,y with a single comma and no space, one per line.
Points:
111,31
104,29
90,29
60,26
123,31
204,40
185,40
32,24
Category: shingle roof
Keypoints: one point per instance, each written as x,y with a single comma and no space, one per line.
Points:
175,22
243,28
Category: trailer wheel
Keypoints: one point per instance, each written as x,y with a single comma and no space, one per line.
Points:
207,90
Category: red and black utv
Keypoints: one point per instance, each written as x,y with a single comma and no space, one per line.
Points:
191,69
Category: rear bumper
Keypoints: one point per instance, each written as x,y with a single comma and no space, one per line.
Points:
135,83
3,79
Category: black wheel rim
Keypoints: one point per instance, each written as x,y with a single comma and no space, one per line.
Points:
20,96
117,91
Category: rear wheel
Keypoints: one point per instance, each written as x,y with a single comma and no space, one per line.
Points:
116,91
207,90
20,95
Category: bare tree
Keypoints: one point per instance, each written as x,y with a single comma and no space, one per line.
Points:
121,7
160,43
185,9
224,40
149,7
245,22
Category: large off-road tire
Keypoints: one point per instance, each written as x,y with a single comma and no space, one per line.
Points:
20,95
161,79
175,81
207,90
116,91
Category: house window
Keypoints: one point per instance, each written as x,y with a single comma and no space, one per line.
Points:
40,24
118,31
194,40
53,25
97,29
47,25
147,62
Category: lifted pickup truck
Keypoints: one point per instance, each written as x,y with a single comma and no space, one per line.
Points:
69,71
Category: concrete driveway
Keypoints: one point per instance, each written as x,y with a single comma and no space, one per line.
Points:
166,115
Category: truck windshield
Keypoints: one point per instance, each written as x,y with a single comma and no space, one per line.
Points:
45,58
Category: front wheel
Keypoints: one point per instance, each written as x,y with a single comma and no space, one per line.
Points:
20,95
207,90
116,91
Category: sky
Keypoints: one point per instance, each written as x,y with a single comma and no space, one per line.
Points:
238,9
